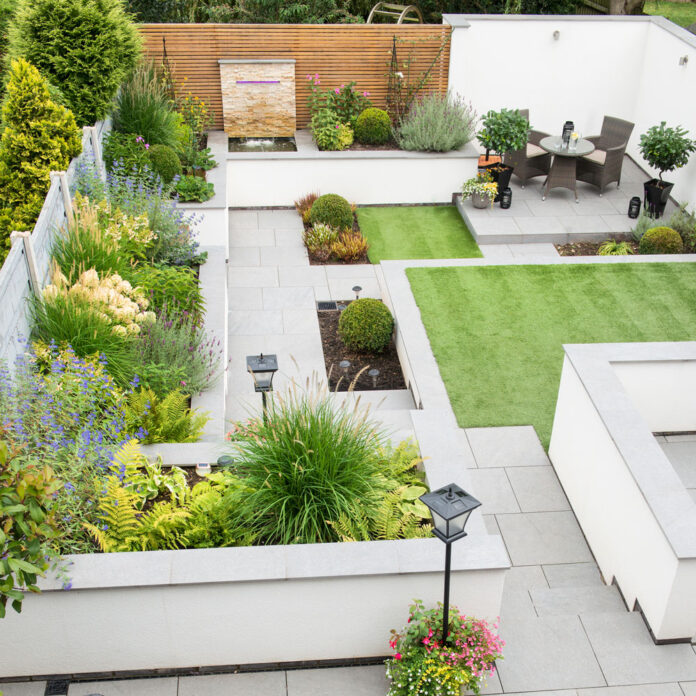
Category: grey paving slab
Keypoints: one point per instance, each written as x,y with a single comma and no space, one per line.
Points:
301,276
535,538
549,225
620,224
358,270
492,488
689,688
245,298
563,692
559,601
491,524
506,446
340,288
497,252
300,321
671,689
525,578
682,456
246,684
685,437
251,238
244,256
491,685
546,654
252,277
36,688
517,602
126,687
243,219
289,237
552,207
322,293
244,322
620,204
533,249
280,219
288,298
494,225
628,655
584,223
573,575
338,681
284,256
692,493
537,489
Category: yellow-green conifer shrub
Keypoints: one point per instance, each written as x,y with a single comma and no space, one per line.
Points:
38,137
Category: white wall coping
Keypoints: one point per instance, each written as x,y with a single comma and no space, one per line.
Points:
654,475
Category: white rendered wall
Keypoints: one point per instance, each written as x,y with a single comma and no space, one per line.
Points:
626,67
363,180
664,392
226,623
621,528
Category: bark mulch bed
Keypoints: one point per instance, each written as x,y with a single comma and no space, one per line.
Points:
591,248
390,374
391,145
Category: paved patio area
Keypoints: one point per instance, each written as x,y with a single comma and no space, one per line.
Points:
559,219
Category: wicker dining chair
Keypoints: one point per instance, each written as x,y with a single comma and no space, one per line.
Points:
603,166
531,160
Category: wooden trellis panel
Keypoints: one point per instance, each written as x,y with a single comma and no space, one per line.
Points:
338,53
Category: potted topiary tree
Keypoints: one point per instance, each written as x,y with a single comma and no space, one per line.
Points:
665,149
503,131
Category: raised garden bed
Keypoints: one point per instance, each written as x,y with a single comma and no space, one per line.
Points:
390,374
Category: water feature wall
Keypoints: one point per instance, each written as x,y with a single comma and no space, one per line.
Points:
258,97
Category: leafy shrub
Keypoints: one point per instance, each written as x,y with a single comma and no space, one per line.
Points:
194,188
421,657
86,48
164,162
182,11
661,240
345,137
366,326
332,209
346,102
153,420
175,286
319,236
38,137
143,106
127,151
27,489
175,353
666,148
613,248
643,224
684,221
436,123
503,131
373,127
304,205
326,130
349,247
196,115
309,463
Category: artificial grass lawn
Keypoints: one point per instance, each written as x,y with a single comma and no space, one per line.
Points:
416,232
497,331
682,13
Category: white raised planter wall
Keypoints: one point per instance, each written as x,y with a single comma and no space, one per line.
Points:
627,67
635,512
279,179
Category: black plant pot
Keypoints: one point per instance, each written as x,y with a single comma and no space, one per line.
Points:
655,196
501,174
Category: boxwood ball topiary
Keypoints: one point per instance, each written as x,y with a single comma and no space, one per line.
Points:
661,240
366,326
165,162
332,209
373,127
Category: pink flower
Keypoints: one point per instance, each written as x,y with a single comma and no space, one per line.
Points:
316,75
309,77
342,86
337,90
366,94
337,126
147,147
397,656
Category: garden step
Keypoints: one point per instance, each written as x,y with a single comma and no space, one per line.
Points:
563,601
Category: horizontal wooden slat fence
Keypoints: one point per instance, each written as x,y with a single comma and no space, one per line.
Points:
338,53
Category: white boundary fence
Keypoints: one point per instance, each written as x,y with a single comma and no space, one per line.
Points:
28,262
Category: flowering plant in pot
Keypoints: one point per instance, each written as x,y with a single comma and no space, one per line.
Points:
502,131
481,189
664,148
424,665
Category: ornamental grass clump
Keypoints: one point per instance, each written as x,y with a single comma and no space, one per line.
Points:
437,123
424,665
309,462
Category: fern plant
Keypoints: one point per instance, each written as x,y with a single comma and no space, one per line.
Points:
153,420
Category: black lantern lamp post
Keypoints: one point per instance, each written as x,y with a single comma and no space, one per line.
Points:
450,507
262,368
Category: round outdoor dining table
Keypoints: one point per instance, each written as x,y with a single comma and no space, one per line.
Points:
562,172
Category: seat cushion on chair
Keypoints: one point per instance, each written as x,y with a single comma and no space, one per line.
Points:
535,151
598,157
